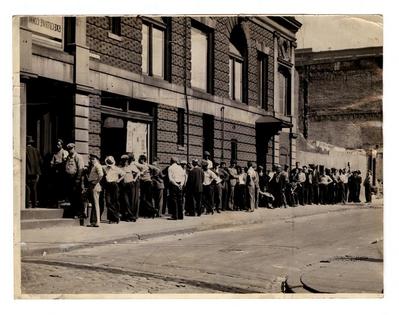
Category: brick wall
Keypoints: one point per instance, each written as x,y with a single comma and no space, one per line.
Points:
178,25
167,137
124,54
352,86
95,125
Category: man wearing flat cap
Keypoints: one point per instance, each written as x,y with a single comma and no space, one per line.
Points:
74,166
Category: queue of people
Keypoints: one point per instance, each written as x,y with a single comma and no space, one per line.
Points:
133,188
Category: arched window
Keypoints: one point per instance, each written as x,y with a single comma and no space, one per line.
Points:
238,55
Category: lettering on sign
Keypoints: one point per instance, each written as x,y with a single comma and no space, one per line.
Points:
50,26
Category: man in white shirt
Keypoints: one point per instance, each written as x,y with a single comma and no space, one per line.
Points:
177,180
208,195
207,157
251,178
95,176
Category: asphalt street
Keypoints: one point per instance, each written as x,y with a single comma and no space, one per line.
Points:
253,258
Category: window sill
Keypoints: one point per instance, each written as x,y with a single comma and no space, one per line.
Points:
114,36
181,148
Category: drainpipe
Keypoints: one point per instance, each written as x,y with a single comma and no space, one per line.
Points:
185,90
222,116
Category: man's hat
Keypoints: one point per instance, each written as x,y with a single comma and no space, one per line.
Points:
29,140
70,146
206,153
184,162
109,160
194,161
124,157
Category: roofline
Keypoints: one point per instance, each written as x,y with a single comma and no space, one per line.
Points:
307,56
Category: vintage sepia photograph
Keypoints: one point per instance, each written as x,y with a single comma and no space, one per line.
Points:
195,156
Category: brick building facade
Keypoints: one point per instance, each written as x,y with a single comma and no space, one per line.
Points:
340,101
159,86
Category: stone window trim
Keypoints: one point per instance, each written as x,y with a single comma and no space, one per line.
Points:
261,47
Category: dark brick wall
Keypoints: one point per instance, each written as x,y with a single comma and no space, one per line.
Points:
178,24
167,137
353,86
261,35
124,54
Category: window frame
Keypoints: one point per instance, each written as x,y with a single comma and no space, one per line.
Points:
164,28
263,80
284,71
238,42
210,56
115,25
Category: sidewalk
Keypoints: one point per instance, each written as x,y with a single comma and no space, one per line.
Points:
39,242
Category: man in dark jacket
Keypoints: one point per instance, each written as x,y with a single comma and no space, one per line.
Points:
194,189
33,172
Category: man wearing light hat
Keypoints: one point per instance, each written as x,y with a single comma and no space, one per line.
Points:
74,166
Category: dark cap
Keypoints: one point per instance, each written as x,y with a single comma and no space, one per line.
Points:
29,140
93,155
70,146
206,153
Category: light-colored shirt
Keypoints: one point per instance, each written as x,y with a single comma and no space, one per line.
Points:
301,177
145,171
128,177
176,174
209,176
96,173
210,164
325,180
59,157
112,173
74,164
242,179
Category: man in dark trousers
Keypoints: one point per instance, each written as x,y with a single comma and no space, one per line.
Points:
194,189
33,172
177,180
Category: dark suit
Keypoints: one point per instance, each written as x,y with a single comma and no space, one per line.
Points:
33,171
194,189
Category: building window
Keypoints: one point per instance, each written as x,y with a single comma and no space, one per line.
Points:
263,85
208,123
233,150
201,57
180,126
69,33
115,25
153,44
238,66
284,83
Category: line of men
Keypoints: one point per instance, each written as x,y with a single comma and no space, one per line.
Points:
137,187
